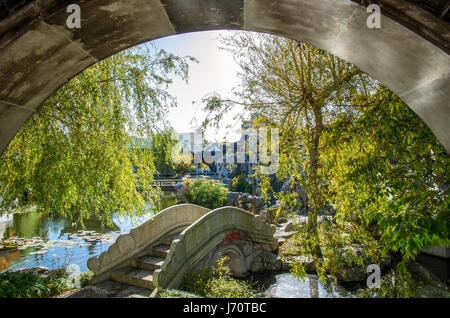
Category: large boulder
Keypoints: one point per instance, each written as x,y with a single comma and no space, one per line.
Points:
245,201
358,273
266,261
284,231
274,214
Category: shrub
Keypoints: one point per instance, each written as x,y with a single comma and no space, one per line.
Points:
31,284
209,193
217,282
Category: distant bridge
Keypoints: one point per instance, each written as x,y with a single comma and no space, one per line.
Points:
167,184
157,254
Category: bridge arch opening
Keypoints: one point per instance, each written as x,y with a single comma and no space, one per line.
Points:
234,260
39,53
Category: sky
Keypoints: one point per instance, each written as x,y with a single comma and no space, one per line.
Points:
216,72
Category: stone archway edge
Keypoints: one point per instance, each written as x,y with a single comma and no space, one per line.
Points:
204,235
39,54
127,246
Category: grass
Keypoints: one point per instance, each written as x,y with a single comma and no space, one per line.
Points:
29,284
32,285
175,293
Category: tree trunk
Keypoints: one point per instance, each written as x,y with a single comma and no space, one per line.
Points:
315,200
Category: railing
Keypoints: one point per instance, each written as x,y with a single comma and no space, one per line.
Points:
169,221
206,233
168,182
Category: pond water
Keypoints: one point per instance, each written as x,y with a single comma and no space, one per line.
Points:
424,284
285,285
55,242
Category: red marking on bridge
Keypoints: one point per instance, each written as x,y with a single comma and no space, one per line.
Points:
233,236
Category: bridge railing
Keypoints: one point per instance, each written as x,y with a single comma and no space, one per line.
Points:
171,220
168,181
205,234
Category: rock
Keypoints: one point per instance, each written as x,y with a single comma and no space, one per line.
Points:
90,292
269,214
284,232
307,262
266,261
359,273
289,227
245,201
352,274
227,182
426,283
41,270
292,186
257,265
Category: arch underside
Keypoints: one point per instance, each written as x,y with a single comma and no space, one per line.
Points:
38,53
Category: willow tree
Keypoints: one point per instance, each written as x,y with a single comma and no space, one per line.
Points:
387,170
74,156
296,87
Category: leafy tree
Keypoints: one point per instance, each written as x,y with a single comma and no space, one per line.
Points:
296,86
162,146
354,146
73,157
168,158
386,169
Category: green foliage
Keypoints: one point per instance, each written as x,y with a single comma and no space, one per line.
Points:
168,158
163,143
73,157
338,244
174,293
297,88
217,282
388,172
359,151
393,285
31,285
206,192
239,184
85,277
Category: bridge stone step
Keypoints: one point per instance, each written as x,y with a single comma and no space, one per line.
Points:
134,276
148,262
168,240
159,251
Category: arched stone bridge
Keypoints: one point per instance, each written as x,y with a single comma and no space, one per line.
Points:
157,254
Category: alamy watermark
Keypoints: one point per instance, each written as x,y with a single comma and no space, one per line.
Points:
252,148
74,19
374,19
374,279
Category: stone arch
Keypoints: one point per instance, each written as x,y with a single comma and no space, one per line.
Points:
39,53
235,259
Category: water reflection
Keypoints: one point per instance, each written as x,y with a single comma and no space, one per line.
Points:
287,286
55,241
